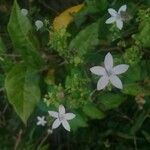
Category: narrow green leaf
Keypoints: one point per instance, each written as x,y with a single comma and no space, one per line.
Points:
22,89
139,120
21,33
146,135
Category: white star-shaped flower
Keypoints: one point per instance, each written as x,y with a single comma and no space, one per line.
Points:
41,121
24,12
116,16
39,24
109,73
61,118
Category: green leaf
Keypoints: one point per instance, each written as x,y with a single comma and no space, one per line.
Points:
135,89
86,39
21,33
78,121
145,30
22,89
139,120
146,135
110,101
93,112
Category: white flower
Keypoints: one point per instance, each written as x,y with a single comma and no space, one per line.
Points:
24,12
39,24
41,121
49,131
61,118
116,16
109,73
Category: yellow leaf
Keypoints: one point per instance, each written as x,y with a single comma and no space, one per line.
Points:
66,17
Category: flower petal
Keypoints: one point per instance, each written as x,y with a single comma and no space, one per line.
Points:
98,70
56,124
102,82
38,117
24,12
108,62
53,114
119,24
69,116
39,24
119,69
61,109
110,20
66,125
116,82
122,8
112,12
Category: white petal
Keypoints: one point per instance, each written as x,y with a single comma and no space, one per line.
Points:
53,114
38,24
119,24
116,82
110,20
69,116
56,124
108,62
39,118
122,8
24,12
98,70
119,69
112,12
102,82
61,109
66,125
43,123
38,123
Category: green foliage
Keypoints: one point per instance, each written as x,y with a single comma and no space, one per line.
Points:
144,28
85,40
24,41
133,55
110,101
106,119
91,111
23,91
59,41
79,121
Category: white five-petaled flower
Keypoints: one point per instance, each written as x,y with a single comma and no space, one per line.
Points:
39,24
109,73
61,118
24,12
116,16
41,121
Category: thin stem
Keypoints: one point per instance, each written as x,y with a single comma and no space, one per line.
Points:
43,140
135,143
18,139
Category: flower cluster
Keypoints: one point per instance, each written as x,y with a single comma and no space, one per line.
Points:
61,118
109,73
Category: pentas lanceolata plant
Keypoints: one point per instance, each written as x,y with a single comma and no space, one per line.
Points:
109,74
61,118
117,17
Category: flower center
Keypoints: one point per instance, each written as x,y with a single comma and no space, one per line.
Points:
109,72
118,17
61,117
